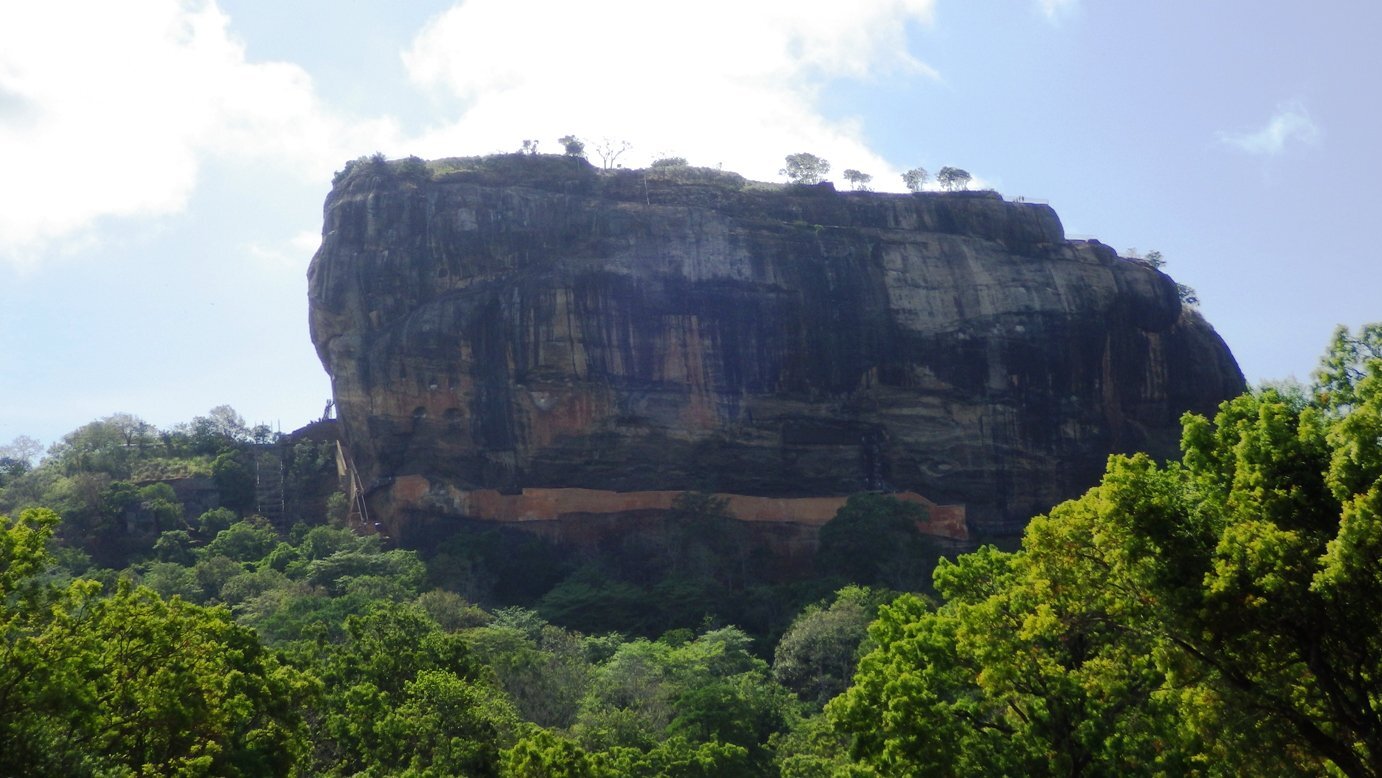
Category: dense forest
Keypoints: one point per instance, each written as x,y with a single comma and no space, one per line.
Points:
1216,615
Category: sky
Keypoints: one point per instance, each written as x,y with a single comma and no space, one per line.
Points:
163,163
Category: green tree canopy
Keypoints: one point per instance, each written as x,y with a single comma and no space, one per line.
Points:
915,179
1221,614
131,683
805,168
875,539
952,178
857,179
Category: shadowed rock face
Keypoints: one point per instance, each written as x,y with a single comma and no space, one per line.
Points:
526,322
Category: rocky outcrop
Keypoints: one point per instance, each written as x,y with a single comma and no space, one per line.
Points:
500,330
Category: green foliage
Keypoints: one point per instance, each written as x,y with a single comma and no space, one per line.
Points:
677,757
160,504
545,675
452,611
662,162
1216,615
245,541
1345,365
814,748
336,572
174,546
413,168
107,445
234,481
805,168
859,181
403,695
131,683
214,521
572,146
410,170
541,754
875,540
172,579
953,178
486,564
708,690
817,656
24,548
915,179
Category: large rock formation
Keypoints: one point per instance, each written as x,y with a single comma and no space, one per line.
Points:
524,337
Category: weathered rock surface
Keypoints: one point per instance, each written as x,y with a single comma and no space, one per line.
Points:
529,323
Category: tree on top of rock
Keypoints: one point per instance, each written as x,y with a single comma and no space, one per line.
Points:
805,168
952,178
858,180
573,146
915,179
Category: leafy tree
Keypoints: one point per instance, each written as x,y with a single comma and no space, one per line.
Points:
915,179
1345,365
172,579
444,725
813,748
17,458
98,446
335,572
244,541
1221,614
23,550
213,572
1187,294
11,468
708,690
234,481
546,675
252,583
860,181
542,754
573,146
452,611
175,546
817,655
403,695
952,178
875,539
805,168
130,683
160,503
669,162
676,757
529,147
212,522
590,601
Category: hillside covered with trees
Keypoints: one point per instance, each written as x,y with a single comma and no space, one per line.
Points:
1213,615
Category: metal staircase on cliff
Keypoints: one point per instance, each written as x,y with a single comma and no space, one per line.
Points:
269,497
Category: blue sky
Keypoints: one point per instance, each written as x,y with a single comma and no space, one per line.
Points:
163,163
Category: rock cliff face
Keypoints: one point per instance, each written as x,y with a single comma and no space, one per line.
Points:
525,338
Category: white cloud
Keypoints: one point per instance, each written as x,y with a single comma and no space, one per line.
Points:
112,117
1291,120
116,116
718,81
1054,9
